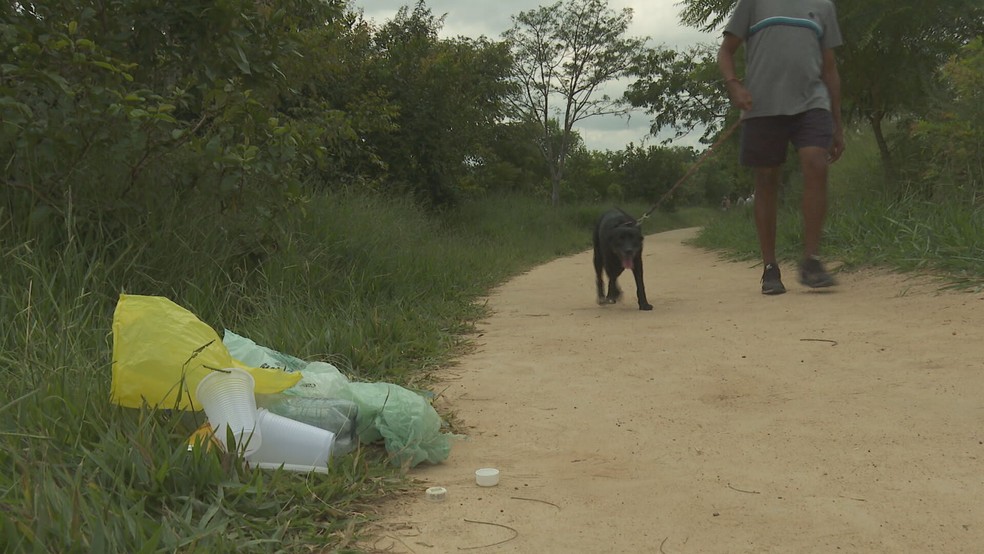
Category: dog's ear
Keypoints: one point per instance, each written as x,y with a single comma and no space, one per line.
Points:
632,223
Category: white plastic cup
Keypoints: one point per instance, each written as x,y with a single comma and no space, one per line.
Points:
290,467
229,402
290,442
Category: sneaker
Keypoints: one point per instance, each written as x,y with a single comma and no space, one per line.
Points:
772,280
813,275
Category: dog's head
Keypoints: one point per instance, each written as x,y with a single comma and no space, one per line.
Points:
626,241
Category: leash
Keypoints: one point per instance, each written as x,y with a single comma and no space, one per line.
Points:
703,157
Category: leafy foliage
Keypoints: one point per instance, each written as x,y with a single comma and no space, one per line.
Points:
109,106
681,91
448,96
893,53
952,135
510,160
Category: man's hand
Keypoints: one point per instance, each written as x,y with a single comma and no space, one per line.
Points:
740,97
837,148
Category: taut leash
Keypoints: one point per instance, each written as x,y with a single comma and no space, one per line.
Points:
724,136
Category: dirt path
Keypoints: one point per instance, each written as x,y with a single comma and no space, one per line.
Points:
721,421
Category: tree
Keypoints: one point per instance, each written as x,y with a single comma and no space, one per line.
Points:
449,94
951,139
894,55
108,103
648,173
568,51
680,90
510,160
683,91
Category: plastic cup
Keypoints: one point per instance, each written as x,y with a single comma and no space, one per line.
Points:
290,467
230,404
291,443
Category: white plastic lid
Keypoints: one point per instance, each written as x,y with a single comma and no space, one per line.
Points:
487,477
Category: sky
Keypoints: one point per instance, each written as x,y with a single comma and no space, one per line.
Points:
657,19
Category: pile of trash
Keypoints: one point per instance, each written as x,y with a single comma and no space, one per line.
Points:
276,409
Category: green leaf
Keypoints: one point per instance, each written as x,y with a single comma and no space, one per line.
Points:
165,117
58,81
104,65
239,58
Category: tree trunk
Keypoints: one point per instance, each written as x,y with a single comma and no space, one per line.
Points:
557,171
875,118
558,176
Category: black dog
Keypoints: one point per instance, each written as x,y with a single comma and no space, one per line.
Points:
617,247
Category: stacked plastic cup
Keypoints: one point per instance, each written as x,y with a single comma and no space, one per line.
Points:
295,445
230,404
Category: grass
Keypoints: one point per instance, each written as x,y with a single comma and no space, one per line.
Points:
382,289
868,225
79,474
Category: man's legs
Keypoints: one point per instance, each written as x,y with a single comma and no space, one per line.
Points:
812,139
764,142
813,162
766,208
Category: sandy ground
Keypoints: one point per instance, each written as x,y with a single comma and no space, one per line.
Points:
721,421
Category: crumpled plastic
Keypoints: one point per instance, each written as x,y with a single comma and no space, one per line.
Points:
161,352
406,422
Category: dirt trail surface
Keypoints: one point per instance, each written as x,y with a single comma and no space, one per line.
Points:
722,421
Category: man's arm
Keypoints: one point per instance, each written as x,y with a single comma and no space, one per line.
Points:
740,97
831,78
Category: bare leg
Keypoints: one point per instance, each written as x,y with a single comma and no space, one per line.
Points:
813,162
766,207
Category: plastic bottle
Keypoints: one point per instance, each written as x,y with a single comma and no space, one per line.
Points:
331,414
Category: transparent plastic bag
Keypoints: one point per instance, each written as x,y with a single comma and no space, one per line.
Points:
403,419
331,414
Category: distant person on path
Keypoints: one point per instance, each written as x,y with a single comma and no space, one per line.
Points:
791,94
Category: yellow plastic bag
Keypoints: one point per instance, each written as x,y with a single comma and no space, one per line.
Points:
162,351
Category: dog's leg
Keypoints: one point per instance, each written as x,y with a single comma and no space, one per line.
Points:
599,264
640,285
614,293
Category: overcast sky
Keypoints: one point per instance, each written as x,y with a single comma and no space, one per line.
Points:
657,19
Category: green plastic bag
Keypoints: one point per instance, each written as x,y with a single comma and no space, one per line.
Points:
162,351
406,422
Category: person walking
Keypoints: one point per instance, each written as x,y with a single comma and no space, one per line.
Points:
791,94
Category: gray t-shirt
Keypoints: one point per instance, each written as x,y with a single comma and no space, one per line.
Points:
784,44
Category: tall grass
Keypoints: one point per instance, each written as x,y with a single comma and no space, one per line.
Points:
377,286
78,474
868,224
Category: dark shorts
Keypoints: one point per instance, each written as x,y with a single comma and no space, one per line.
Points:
765,140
